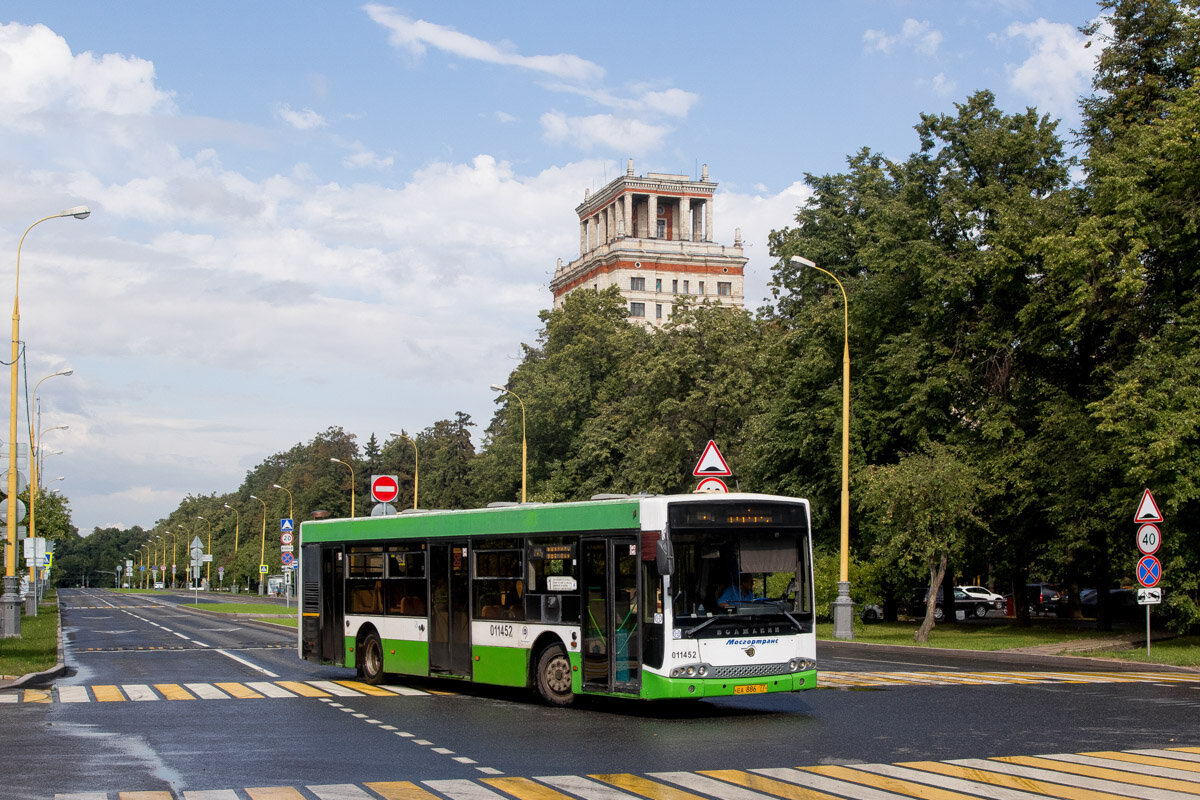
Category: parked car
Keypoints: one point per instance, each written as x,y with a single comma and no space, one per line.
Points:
158,584
917,602
1122,604
871,613
983,600
1043,598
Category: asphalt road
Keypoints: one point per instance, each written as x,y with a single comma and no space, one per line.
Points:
163,699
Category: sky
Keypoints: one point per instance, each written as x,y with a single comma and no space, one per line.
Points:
308,215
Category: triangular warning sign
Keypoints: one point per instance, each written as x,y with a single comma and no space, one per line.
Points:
712,463
1147,510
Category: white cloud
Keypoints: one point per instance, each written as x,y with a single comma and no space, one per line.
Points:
1059,68
362,158
603,130
41,78
943,86
416,35
305,120
914,34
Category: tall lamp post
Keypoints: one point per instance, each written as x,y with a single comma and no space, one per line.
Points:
237,524
162,565
291,511
262,556
10,614
524,449
34,445
843,607
416,463
338,460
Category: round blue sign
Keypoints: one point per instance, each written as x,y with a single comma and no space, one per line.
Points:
1149,571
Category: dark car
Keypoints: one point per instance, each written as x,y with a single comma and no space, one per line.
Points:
1043,598
1122,604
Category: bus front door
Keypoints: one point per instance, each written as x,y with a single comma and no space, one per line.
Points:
449,610
612,643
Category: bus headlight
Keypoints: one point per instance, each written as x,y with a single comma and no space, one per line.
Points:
801,664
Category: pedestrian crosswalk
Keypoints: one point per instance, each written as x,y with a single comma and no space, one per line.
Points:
1151,774
222,690
256,690
879,680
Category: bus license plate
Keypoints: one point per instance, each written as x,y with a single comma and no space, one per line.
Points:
750,688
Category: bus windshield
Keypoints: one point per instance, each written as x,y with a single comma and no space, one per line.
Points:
735,577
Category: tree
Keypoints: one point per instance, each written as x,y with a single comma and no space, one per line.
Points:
925,504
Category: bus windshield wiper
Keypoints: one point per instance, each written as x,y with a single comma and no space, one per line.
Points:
695,628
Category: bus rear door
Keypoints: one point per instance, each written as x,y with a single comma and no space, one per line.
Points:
449,609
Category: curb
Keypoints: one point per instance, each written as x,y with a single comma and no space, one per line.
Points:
843,648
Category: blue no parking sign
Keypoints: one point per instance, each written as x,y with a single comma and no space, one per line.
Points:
1149,571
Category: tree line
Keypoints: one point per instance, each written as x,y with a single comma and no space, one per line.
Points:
1023,323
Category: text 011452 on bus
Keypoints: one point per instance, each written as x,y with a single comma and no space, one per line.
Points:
617,596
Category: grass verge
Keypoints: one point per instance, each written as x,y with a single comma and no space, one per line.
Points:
1182,651
243,608
37,648
288,622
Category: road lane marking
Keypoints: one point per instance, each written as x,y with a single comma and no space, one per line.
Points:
463,790
243,661
760,783
238,690
646,788
274,793
139,692
212,794
584,787
206,691
339,791
400,790
1147,760
269,689
107,694
1063,791
173,691
702,783
1061,764
73,694
1080,780
525,789
365,688
303,689
336,689
955,787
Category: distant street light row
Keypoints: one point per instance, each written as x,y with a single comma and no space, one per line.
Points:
10,616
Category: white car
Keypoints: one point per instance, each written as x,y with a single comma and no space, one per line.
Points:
982,599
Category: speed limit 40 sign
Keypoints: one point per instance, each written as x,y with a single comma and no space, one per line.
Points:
1148,539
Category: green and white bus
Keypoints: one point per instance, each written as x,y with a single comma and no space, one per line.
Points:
620,595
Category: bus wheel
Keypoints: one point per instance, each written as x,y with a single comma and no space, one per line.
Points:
554,676
370,659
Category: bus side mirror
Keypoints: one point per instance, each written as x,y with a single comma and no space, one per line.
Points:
664,557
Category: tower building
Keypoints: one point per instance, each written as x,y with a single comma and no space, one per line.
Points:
652,236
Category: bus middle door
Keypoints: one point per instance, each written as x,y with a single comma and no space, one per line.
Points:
449,609
612,642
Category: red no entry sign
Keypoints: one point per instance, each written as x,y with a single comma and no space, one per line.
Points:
384,488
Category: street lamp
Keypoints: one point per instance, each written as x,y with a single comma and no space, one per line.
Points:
843,607
262,556
237,524
291,514
338,460
162,565
524,450
416,464
34,447
174,543
10,616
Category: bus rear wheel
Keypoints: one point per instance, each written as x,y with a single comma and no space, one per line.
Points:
370,659
554,676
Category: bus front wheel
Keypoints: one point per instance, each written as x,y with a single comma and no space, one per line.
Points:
554,676
370,659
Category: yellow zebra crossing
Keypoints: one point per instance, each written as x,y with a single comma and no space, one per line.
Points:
878,680
1154,774
224,690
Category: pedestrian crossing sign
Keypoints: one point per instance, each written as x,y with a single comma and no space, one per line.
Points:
287,525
